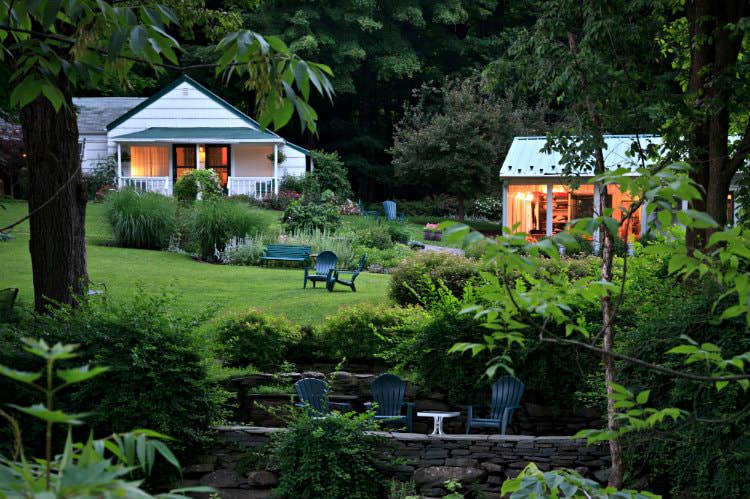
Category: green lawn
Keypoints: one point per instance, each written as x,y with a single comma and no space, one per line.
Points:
228,289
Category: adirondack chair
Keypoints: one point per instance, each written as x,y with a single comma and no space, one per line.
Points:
313,395
325,264
388,394
7,301
389,208
336,277
506,398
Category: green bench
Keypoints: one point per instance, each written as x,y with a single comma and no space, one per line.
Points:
286,253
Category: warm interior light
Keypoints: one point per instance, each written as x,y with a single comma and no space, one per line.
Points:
559,188
202,154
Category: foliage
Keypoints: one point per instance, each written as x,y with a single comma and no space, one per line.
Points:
141,219
256,338
434,205
331,174
412,274
366,331
464,379
153,358
458,147
214,223
384,260
292,183
101,176
104,467
304,214
487,207
320,240
532,483
376,236
399,233
332,457
198,182
243,250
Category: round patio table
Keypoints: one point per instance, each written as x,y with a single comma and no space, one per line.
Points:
438,417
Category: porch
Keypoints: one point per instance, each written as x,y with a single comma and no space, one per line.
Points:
245,160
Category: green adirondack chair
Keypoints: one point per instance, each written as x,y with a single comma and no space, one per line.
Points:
506,399
325,264
336,276
388,392
313,395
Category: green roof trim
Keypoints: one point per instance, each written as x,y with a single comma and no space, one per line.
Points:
304,151
185,79
204,133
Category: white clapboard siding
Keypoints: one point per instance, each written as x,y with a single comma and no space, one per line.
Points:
294,162
94,151
182,107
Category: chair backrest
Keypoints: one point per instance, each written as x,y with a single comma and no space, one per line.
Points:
362,263
388,392
8,299
506,392
314,393
389,207
325,261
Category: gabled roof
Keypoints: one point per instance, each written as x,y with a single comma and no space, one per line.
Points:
219,134
94,113
525,158
185,79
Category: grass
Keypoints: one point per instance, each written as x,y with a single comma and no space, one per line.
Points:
225,289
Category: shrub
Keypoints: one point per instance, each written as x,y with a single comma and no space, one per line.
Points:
440,205
487,207
376,236
292,183
243,250
100,177
330,173
365,331
205,182
384,260
214,223
141,219
399,233
319,240
255,338
453,270
157,377
333,457
303,214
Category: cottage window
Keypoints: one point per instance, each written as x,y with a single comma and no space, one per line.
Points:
149,161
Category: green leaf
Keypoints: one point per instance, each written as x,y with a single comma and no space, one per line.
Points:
22,376
166,453
138,39
720,385
642,397
78,374
41,412
53,95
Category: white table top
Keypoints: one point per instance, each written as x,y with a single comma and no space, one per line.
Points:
432,414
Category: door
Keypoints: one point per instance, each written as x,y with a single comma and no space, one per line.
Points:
183,160
217,158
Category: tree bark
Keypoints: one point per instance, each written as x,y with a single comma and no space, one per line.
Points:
57,244
461,207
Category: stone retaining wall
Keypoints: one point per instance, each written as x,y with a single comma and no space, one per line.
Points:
532,419
480,462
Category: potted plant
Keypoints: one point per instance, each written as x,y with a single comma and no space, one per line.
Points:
432,232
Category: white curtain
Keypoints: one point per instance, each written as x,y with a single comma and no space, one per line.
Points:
149,161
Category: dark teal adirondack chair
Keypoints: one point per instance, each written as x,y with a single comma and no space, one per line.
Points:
389,208
506,398
313,394
337,279
325,264
388,394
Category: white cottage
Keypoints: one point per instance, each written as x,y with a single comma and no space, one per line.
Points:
540,199
184,127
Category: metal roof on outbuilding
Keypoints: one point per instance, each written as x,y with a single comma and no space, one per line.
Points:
526,159
94,113
176,134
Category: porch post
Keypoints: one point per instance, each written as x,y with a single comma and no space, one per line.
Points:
276,168
119,165
505,205
549,210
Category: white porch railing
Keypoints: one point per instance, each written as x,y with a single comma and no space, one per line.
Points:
150,184
256,187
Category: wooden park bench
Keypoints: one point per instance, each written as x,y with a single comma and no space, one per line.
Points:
286,253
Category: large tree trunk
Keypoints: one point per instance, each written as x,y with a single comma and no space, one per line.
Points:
714,51
461,207
57,244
